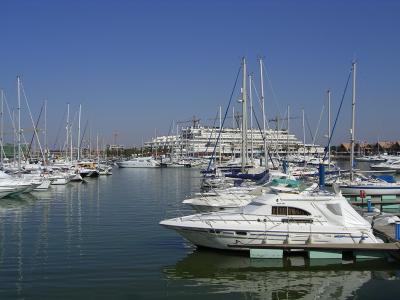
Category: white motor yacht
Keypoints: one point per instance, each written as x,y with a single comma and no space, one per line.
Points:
139,162
372,186
371,159
318,217
17,184
104,169
233,197
60,178
391,165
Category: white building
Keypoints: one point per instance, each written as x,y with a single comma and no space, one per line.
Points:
201,141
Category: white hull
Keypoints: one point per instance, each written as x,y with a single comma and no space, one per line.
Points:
60,181
369,190
314,218
140,162
31,187
43,186
77,177
225,239
5,191
130,165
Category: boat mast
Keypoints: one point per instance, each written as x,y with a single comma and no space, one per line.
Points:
97,150
263,114
353,115
287,130
71,150
19,122
251,118
233,117
329,128
90,142
79,132
2,126
244,116
220,134
67,139
14,137
45,132
155,140
304,137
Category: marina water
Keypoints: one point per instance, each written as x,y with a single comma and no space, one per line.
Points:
101,240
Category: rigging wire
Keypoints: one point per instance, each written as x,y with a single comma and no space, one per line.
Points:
33,123
211,134
272,89
259,102
309,127
319,123
264,137
337,115
34,132
59,129
223,121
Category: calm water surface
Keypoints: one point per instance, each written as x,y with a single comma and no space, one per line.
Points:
101,240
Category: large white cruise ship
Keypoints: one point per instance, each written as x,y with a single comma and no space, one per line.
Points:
200,140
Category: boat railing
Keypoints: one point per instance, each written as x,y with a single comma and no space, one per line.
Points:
205,217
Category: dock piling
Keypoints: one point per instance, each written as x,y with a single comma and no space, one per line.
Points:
397,231
369,203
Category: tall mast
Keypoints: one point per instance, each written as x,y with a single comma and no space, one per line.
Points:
251,118
97,149
2,128
233,117
287,130
45,132
67,138
263,113
353,115
90,142
14,136
244,116
79,132
304,136
155,140
19,122
329,128
277,135
220,134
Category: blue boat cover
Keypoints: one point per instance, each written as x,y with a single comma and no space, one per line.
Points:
387,178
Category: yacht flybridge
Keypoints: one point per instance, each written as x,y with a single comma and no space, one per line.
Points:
313,217
234,197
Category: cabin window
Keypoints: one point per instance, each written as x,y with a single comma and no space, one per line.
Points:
256,204
241,233
294,211
335,208
297,221
289,211
279,210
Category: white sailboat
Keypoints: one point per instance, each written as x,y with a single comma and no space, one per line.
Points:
356,183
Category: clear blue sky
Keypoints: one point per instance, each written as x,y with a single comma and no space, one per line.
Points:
138,65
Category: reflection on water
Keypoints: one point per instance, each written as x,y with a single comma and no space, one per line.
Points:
34,229
291,278
101,240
